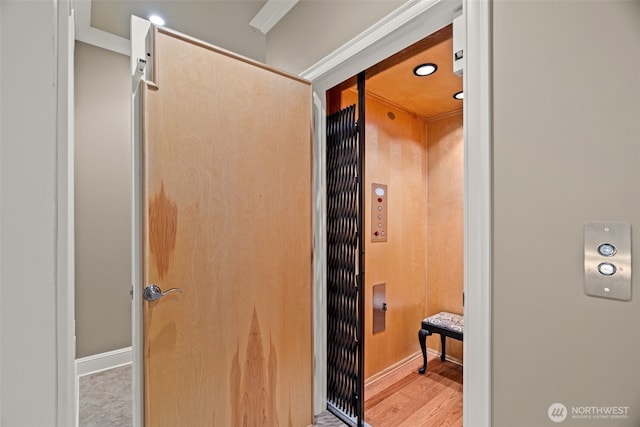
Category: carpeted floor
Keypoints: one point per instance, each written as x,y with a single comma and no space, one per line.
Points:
326,419
105,400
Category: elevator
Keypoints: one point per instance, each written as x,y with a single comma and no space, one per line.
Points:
412,205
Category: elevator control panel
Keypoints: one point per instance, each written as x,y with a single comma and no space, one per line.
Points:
379,196
607,260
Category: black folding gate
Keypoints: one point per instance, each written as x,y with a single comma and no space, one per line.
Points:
345,262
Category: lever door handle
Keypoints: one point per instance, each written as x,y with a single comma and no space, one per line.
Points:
154,293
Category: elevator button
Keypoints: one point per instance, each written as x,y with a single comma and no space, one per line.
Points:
607,260
607,269
607,249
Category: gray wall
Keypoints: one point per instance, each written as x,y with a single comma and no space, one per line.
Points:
314,29
566,152
103,205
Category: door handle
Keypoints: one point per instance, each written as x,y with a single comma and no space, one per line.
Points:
154,293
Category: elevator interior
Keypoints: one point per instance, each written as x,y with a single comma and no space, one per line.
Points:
414,175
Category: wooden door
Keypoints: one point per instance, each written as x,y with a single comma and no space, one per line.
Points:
227,187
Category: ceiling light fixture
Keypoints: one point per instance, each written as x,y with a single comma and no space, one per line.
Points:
156,20
458,95
425,69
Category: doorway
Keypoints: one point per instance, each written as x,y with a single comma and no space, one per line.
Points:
401,29
413,225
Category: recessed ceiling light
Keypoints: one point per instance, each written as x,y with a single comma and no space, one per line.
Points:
459,95
156,20
425,69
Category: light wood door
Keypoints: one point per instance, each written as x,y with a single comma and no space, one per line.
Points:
227,187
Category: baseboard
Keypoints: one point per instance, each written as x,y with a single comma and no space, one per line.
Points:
379,375
103,361
448,358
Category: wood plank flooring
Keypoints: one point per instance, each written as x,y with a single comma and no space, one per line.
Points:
404,398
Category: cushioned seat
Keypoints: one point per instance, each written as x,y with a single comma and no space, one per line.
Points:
444,323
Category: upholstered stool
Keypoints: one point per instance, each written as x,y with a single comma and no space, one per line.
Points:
443,323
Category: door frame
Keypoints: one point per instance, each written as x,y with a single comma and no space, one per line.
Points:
411,22
141,43
66,392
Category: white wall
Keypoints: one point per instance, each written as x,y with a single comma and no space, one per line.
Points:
28,209
566,152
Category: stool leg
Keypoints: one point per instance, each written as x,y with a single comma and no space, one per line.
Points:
422,338
443,339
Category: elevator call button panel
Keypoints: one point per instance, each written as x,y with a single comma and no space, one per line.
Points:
607,260
379,196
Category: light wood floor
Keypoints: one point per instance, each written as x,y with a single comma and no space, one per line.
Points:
404,398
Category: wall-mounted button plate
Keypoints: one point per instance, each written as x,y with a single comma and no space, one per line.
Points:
607,260
379,197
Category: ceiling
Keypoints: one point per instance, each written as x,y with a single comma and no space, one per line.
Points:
393,80
427,96
226,23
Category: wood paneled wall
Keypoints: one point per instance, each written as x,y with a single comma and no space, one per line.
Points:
445,227
422,261
395,156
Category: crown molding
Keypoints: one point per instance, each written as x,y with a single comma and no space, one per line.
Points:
400,17
271,13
